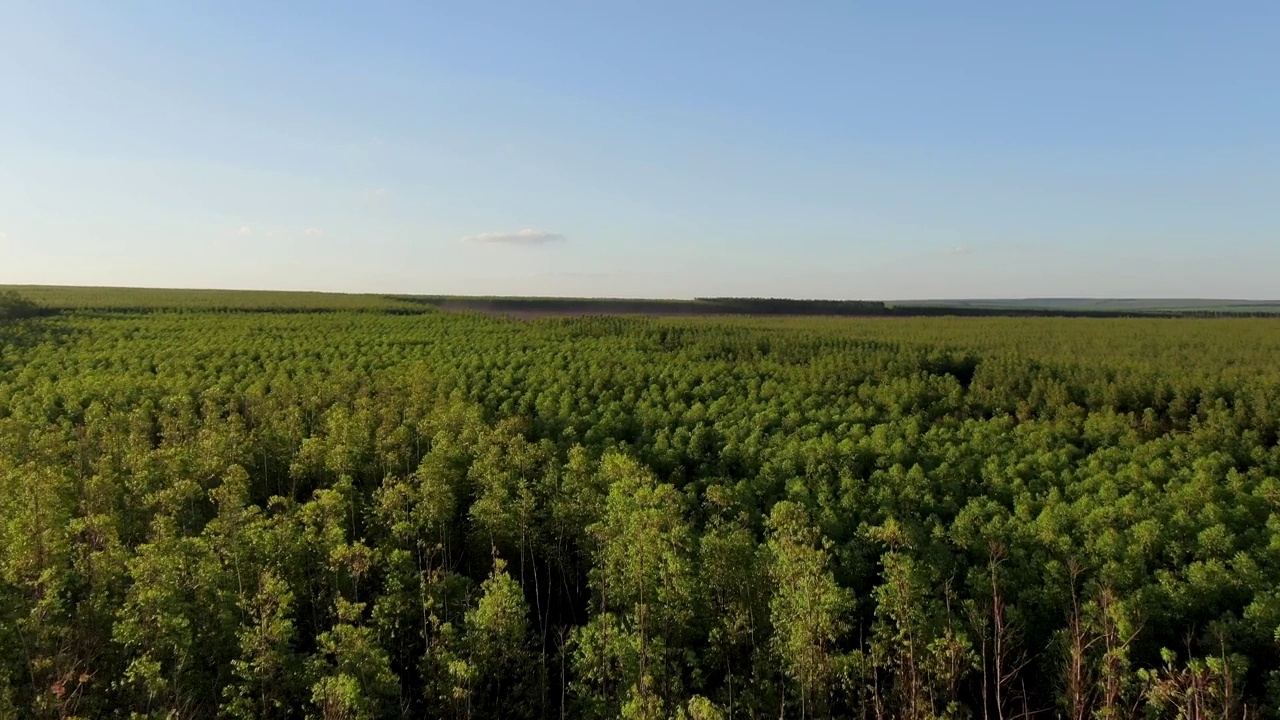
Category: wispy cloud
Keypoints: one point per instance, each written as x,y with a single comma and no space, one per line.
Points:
376,197
3,237
313,232
244,231
958,250
519,237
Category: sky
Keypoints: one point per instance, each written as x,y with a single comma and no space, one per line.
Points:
847,150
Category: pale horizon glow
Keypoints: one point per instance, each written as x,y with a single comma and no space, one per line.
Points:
831,150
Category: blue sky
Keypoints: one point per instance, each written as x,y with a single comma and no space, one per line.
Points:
662,149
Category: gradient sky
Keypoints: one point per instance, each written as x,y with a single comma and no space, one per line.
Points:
839,150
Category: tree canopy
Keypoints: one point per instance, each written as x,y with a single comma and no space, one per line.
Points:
364,514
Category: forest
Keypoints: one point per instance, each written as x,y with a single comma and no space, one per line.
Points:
307,506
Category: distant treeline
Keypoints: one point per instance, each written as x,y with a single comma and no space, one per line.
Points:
767,306
609,306
13,306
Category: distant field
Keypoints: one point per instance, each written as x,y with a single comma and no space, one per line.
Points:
113,299
117,299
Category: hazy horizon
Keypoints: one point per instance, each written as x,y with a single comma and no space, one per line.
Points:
937,152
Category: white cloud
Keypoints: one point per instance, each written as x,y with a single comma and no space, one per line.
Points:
313,232
3,237
958,250
381,192
244,231
271,233
520,237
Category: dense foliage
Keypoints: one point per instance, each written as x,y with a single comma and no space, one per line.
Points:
365,515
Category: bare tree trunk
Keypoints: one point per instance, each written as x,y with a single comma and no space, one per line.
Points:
998,630
1078,683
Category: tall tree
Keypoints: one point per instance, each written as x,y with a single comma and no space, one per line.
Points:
808,606
645,591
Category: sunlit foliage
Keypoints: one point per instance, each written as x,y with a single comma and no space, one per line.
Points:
227,511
